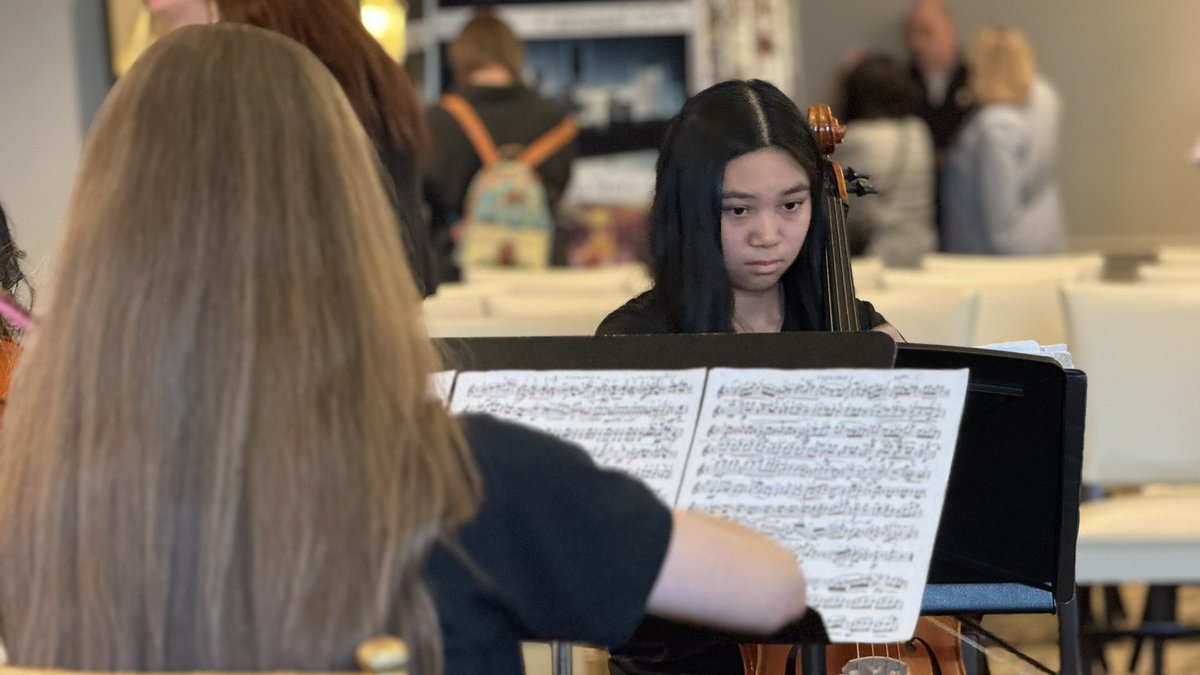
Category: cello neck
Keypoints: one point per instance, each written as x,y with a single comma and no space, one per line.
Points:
840,310
842,314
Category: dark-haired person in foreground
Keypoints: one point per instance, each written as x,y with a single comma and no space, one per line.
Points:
738,236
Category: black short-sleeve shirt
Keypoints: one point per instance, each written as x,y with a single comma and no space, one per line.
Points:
559,550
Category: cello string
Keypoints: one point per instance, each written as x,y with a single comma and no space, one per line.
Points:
847,294
1004,646
842,303
836,263
1011,655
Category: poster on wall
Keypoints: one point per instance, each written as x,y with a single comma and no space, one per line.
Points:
134,25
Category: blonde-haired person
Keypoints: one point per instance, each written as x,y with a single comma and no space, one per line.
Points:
220,452
1000,193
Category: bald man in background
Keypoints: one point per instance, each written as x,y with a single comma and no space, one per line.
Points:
940,75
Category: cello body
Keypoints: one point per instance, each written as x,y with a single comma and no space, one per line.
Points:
934,650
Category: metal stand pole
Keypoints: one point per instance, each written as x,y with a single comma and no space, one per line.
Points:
560,658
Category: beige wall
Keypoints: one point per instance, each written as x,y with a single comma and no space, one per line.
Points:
1129,75
53,74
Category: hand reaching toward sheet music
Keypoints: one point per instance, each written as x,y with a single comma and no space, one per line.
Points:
727,573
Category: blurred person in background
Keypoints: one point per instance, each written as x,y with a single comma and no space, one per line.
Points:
380,91
1000,189
885,141
487,60
937,68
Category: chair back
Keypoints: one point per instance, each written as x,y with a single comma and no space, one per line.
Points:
627,279
943,318
564,324
455,306
868,273
1179,255
1070,266
1135,343
1170,273
1012,305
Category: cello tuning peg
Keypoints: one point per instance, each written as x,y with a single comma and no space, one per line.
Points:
858,184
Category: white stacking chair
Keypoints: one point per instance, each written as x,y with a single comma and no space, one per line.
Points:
868,273
1070,266
454,305
626,279
1012,305
944,318
549,305
530,315
1170,273
1179,255
1134,341
571,324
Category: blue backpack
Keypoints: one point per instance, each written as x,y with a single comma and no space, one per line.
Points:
506,217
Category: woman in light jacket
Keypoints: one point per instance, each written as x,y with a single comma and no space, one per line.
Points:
1001,190
894,148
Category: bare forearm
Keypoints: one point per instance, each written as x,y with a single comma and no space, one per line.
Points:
721,574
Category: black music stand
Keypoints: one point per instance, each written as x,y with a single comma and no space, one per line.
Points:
665,352
1006,543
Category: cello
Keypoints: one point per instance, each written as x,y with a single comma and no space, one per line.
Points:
935,648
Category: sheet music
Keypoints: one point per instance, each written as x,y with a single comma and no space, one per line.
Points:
635,420
441,384
846,467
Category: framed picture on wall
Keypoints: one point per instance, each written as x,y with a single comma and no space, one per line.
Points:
132,25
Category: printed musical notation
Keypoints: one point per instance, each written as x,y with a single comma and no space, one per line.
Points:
846,467
639,421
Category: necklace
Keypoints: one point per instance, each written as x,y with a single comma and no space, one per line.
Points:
743,328
740,327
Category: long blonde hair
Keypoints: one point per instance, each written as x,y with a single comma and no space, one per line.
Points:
220,450
1002,66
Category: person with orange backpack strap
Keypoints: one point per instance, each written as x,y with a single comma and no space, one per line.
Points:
501,157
